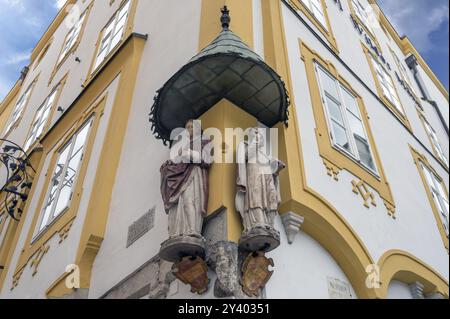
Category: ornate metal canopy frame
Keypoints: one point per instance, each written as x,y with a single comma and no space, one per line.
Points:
18,181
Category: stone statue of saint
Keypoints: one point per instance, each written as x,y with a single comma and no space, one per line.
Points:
258,192
184,185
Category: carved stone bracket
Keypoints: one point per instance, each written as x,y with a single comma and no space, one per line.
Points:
361,188
417,290
292,224
224,259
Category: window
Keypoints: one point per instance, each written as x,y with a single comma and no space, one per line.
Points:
18,109
316,12
64,176
72,37
439,195
403,73
344,119
362,14
436,192
316,8
41,117
387,85
112,34
435,142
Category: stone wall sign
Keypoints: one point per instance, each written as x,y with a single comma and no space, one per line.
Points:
140,227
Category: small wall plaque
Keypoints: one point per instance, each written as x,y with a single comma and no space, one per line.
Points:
339,289
142,226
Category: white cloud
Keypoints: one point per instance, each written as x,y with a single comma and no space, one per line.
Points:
417,19
59,3
17,58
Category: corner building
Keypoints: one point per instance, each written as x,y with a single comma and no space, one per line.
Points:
365,204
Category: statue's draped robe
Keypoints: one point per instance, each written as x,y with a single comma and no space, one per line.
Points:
258,195
184,189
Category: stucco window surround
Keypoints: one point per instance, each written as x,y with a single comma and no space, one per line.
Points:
37,240
107,37
335,159
424,167
43,116
71,40
19,109
398,110
42,54
405,79
3,217
305,6
439,153
359,14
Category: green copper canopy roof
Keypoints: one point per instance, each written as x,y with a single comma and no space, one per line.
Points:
226,69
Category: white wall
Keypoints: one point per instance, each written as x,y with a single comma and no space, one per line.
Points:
415,228
302,269
398,290
137,185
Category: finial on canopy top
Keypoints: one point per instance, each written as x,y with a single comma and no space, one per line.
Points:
225,19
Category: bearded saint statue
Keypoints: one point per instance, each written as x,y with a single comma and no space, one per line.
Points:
184,184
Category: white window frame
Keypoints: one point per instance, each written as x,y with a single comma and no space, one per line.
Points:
46,222
387,85
361,13
72,37
440,198
354,152
19,108
435,141
41,118
311,5
404,73
107,37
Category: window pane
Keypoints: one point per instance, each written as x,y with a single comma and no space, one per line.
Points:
116,39
350,102
55,183
124,10
356,126
335,111
71,171
329,84
340,136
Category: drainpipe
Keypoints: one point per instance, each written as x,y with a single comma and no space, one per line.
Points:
411,61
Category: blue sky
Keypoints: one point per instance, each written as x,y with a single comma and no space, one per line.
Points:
22,22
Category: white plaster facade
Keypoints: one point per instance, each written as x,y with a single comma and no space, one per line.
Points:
302,269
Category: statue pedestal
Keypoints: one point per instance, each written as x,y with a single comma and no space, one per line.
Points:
176,248
260,239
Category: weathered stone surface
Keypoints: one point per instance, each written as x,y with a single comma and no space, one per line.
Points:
224,260
260,239
153,279
174,249
77,294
